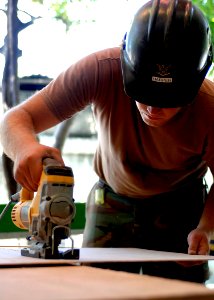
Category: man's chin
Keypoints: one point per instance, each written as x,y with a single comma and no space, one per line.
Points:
154,123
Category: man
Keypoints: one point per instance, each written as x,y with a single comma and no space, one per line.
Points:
155,120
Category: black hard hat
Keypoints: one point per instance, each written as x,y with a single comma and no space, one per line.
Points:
166,53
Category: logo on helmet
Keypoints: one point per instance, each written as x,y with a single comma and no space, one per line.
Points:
163,71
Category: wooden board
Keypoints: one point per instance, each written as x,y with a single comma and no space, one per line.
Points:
10,257
85,283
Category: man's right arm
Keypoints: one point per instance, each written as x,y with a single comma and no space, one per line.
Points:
18,133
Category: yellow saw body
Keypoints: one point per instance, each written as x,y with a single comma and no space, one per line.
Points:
48,215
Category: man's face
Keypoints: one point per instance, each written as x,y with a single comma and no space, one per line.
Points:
154,116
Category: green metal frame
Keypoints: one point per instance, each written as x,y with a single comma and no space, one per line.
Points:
7,226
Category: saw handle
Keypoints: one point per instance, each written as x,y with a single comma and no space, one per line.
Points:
48,161
24,194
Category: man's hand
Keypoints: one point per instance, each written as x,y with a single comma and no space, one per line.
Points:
198,241
28,164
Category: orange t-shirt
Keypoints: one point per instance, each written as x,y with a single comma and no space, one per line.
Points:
135,159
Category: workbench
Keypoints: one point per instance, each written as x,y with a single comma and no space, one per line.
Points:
24,278
79,282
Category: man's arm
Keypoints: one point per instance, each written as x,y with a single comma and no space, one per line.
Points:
18,130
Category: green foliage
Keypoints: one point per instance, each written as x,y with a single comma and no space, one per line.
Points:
207,7
38,1
62,9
